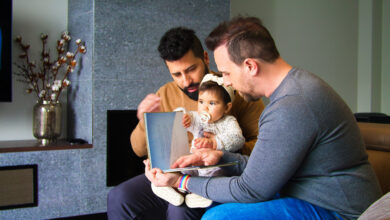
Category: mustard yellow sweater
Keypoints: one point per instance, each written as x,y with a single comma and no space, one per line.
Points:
246,113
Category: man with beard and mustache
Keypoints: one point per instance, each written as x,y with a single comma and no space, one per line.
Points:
187,63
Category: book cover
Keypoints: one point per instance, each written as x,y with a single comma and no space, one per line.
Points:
167,140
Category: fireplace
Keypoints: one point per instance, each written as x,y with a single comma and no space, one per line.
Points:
122,162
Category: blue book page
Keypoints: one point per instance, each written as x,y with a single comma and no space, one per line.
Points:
167,139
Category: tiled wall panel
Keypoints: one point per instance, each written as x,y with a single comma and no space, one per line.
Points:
121,66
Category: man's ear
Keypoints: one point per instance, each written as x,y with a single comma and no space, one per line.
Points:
251,66
228,107
206,58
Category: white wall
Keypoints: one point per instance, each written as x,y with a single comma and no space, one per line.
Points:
385,100
30,19
337,40
369,56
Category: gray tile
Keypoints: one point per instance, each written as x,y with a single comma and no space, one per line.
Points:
79,7
121,66
95,203
93,175
80,110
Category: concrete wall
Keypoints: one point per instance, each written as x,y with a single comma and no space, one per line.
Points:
121,66
385,58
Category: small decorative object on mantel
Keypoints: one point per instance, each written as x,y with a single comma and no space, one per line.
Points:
47,79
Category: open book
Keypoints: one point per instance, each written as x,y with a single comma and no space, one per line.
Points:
167,140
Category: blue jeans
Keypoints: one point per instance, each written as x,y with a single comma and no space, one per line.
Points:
134,199
279,208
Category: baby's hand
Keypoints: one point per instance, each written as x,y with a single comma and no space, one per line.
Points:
186,120
205,143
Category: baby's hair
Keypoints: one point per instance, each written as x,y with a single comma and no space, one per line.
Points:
217,89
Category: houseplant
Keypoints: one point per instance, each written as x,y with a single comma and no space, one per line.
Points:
47,79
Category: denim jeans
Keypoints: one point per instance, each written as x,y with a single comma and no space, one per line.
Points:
278,208
134,199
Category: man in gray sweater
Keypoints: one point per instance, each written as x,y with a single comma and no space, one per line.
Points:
309,161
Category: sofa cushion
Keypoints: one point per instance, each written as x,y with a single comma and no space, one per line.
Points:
379,210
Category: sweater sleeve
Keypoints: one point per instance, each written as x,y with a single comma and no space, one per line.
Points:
230,135
138,140
247,115
275,158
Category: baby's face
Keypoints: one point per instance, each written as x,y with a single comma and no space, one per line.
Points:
209,102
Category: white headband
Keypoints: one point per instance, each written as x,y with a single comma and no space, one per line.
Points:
219,81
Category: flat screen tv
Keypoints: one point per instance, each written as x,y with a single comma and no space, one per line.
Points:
5,50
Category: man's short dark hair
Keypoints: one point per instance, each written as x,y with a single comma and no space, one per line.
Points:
176,42
245,37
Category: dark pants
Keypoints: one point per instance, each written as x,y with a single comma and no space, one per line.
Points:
134,199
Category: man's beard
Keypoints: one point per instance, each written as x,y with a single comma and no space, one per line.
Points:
248,98
194,95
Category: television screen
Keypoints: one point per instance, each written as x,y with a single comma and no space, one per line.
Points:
5,50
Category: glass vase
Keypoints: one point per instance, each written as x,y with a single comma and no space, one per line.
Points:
47,121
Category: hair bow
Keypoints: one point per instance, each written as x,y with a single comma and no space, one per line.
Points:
219,81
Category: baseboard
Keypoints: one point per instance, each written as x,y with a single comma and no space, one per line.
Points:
96,216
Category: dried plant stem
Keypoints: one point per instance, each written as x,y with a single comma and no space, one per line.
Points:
43,79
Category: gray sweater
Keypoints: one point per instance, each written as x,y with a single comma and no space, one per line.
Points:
309,147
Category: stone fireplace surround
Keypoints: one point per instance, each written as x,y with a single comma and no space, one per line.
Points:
121,66
122,162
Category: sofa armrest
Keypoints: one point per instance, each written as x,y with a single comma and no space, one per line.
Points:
376,136
377,140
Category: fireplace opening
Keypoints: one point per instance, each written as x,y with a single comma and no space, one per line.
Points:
122,162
